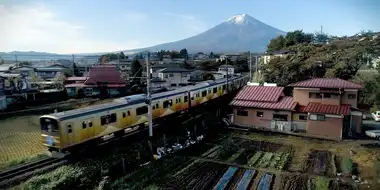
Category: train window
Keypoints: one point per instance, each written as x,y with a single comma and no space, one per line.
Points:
178,100
124,115
69,130
186,99
204,93
128,113
157,106
106,119
215,90
142,110
167,103
197,95
209,91
89,124
84,125
224,86
49,125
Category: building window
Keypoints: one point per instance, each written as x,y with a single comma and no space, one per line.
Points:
351,96
90,124
280,117
315,117
329,95
302,117
315,95
242,113
259,114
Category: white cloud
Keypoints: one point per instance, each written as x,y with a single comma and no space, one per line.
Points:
190,22
36,28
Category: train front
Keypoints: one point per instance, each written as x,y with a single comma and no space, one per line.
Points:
50,132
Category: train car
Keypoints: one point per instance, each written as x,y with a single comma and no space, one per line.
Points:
64,130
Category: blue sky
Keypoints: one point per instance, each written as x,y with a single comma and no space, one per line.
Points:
74,26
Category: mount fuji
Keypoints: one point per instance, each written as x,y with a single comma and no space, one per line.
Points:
239,33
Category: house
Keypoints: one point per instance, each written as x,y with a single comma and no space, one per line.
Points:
231,56
321,107
156,67
26,71
5,68
226,69
201,56
50,72
167,59
101,79
282,53
175,76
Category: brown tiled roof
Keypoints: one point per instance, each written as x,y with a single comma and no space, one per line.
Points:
314,107
104,73
260,93
300,109
285,103
326,83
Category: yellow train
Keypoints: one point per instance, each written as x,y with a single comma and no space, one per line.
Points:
64,130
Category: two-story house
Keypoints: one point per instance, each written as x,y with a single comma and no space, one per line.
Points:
321,107
226,69
176,76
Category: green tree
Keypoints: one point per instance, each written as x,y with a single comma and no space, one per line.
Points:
122,56
76,71
208,76
136,69
184,54
211,55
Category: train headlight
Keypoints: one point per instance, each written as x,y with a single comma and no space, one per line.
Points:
49,140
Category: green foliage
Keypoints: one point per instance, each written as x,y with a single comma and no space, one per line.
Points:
76,71
291,39
208,76
346,165
23,160
112,57
321,183
122,56
211,55
341,58
184,54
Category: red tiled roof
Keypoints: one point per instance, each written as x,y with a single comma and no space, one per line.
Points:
285,103
84,85
314,107
260,93
104,73
326,83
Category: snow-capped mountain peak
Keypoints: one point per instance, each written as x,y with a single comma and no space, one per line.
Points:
241,19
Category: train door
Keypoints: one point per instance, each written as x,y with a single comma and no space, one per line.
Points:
90,128
70,138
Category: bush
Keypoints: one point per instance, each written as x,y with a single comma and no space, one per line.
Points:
346,165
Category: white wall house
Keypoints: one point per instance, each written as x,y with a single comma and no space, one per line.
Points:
282,53
174,76
224,69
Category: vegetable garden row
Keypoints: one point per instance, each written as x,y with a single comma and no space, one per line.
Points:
253,153
206,175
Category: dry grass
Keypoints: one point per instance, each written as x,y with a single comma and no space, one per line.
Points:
364,157
20,137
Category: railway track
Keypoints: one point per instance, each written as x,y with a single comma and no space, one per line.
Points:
27,170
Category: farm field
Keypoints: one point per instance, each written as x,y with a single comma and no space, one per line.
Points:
20,138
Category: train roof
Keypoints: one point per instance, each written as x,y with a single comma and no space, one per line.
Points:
134,99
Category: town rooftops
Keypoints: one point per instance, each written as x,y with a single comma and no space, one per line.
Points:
326,83
314,107
104,74
265,97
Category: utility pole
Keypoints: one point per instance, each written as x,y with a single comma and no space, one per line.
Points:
226,74
149,103
250,66
257,65
72,59
16,57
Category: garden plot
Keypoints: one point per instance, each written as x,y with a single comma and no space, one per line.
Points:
320,163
